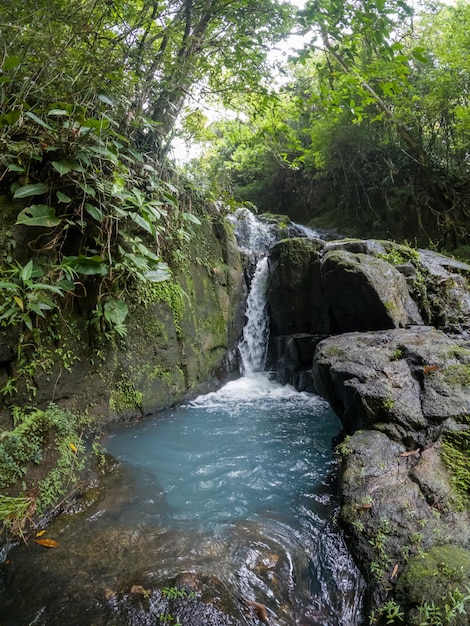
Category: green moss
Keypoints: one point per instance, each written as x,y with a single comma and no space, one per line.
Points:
125,396
456,456
170,292
431,577
399,255
335,351
294,252
456,375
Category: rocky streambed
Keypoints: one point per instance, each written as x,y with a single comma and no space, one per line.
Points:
395,367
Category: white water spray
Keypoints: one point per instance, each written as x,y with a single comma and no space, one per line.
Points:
253,346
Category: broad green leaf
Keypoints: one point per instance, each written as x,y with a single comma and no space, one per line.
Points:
9,286
115,311
15,168
137,155
90,191
30,190
94,211
38,215
107,98
27,271
37,308
58,112
143,223
88,266
62,197
105,153
45,287
10,63
38,120
419,54
93,123
61,167
27,320
12,117
66,285
189,217
72,164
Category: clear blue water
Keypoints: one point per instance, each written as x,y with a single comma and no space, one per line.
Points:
252,449
246,475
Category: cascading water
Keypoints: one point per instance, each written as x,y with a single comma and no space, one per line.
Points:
253,346
235,486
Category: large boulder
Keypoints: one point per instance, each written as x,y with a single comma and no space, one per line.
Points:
403,396
411,384
364,292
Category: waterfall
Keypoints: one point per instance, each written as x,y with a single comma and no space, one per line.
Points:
255,239
254,344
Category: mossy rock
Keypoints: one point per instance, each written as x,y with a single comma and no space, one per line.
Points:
462,253
432,578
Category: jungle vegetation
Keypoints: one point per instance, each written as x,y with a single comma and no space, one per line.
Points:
369,130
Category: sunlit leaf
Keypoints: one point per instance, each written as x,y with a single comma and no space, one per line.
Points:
19,302
47,543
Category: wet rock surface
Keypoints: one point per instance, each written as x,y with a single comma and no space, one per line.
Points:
400,383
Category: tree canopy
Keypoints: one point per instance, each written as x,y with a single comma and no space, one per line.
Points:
371,132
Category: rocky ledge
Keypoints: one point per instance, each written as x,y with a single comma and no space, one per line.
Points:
386,328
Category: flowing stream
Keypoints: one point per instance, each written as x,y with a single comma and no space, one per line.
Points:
236,485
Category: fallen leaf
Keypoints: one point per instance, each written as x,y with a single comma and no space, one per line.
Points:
40,533
73,446
430,368
409,452
47,543
395,571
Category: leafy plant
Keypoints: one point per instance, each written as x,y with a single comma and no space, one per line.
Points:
15,512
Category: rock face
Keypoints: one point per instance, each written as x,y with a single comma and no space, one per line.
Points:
410,384
181,339
322,288
387,331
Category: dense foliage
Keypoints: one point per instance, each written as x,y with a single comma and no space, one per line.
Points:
92,212
89,97
371,132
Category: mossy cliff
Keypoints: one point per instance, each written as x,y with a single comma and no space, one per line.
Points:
180,340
